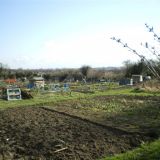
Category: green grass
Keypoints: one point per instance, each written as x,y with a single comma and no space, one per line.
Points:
149,151
40,100
47,98
51,98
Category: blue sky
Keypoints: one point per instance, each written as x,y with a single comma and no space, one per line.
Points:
72,33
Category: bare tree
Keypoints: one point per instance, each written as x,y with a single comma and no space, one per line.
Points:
84,71
148,63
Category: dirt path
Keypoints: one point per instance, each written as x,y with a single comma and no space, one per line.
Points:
37,133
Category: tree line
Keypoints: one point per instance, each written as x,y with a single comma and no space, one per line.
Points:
84,73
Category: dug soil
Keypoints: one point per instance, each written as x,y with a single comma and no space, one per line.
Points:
41,134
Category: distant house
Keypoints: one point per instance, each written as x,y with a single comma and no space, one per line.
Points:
137,78
37,82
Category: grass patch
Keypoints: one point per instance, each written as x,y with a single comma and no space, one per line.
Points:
51,98
40,100
150,151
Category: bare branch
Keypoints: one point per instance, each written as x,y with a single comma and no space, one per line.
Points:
150,29
142,57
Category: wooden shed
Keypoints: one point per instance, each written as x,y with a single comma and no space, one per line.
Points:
37,82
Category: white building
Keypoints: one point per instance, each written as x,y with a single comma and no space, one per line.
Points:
137,79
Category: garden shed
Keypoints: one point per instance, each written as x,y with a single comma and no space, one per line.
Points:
37,82
137,78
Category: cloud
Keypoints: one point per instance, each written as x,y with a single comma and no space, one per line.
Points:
94,49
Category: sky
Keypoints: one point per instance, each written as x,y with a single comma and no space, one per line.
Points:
72,33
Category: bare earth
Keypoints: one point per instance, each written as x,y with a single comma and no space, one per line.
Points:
40,133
